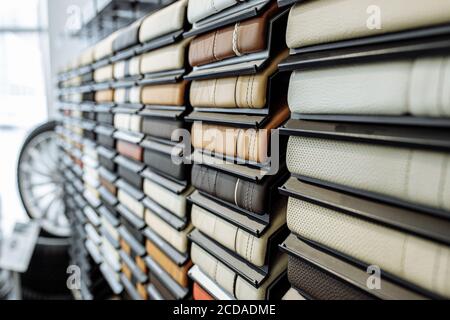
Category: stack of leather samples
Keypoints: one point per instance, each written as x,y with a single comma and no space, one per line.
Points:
79,165
237,99
368,151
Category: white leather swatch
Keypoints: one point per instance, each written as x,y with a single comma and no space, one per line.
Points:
164,21
229,280
175,203
412,175
104,73
419,261
200,9
132,204
177,239
322,21
248,246
407,87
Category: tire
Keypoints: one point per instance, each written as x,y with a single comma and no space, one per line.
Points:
30,178
47,272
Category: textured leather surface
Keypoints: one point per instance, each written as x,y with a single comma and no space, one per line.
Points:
314,22
248,91
249,36
200,9
164,21
130,150
320,285
168,58
131,203
160,128
229,280
247,144
179,274
173,202
104,73
199,293
172,94
417,87
246,245
416,260
412,175
126,68
177,239
245,194
104,96
163,164
104,48
292,294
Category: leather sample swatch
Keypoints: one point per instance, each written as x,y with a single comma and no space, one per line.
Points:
199,293
131,203
162,163
246,144
419,87
128,122
349,19
200,9
229,280
163,21
419,261
175,203
104,48
87,57
127,37
242,38
172,94
177,239
246,245
104,73
127,68
130,150
248,91
245,194
412,175
320,285
128,95
160,128
179,274
167,58
104,96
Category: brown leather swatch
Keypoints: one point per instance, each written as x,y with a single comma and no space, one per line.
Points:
250,37
172,94
130,150
108,185
200,294
179,274
103,96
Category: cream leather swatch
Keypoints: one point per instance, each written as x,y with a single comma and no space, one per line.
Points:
234,92
248,246
229,280
128,122
416,176
171,201
130,67
164,21
104,73
419,261
200,9
417,87
177,239
105,47
167,58
315,22
292,294
132,204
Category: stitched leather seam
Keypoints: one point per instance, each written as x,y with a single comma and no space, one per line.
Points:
213,6
215,45
246,91
408,172
440,87
236,91
443,180
215,183
235,40
402,260
252,105
435,267
234,284
214,92
215,269
251,249
235,191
